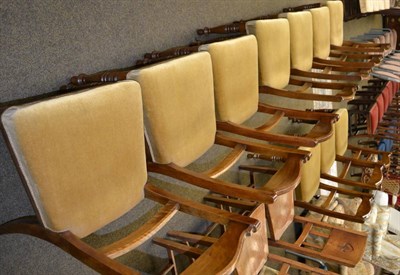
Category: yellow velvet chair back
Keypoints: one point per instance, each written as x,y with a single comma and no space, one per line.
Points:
179,113
336,22
337,144
235,71
321,31
301,40
273,38
310,175
82,155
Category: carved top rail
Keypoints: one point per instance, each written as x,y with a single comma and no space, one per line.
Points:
303,7
232,28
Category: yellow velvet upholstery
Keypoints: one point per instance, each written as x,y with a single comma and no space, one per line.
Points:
337,144
82,155
321,30
179,113
301,40
328,152
310,175
273,38
235,70
342,131
336,21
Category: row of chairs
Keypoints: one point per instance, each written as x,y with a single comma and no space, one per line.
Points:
90,147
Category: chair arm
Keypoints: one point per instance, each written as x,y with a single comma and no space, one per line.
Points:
299,114
344,86
268,150
296,72
200,210
357,65
214,185
305,96
348,182
267,136
70,244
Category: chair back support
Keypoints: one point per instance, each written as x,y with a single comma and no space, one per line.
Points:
336,22
235,71
179,113
321,31
301,40
337,144
328,149
273,38
310,175
342,131
81,156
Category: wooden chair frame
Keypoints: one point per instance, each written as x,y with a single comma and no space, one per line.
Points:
101,259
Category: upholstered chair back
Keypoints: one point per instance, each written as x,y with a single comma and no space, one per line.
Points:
310,175
337,144
336,21
321,31
81,156
342,131
273,38
301,40
235,71
328,151
179,113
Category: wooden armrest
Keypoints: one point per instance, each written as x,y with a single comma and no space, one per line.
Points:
363,73
70,244
358,65
268,150
231,202
368,150
299,114
227,162
214,185
345,87
365,45
358,49
343,77
286,179
306,95
377,57
348,182
200,210
267,136
283,180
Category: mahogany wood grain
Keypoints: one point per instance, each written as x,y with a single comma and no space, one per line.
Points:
325,75
145,232
232,158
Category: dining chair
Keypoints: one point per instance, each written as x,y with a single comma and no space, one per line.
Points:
81,158
185,84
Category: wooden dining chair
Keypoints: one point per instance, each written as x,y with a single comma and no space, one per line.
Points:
275,51
183,241
360,57
334,24
336,17
309,34
82,160
178,106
